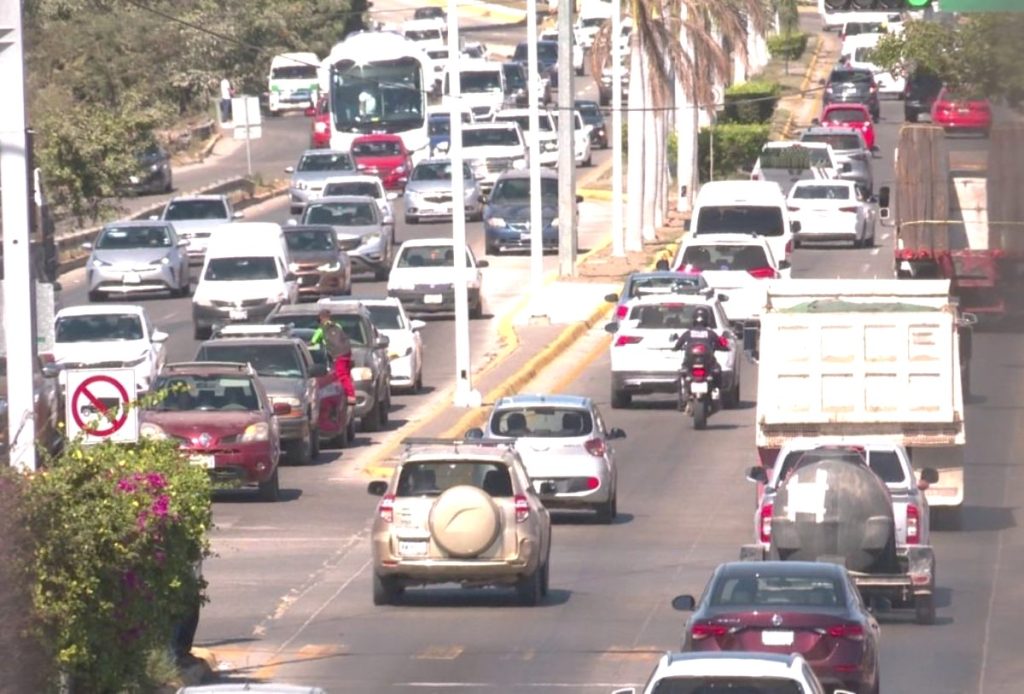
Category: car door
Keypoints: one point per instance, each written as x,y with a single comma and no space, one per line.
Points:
291,287
157,351
476,277
417,339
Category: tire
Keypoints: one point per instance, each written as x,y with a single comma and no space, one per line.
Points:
386,590
340,440
924,609
183,290
96,297
529,588
371,421
385,409
545,579
700,414
169,186
607,511
620,399
417,384
492,250
589,160
858,243
271,489
381,275
732,399
301,452
477,312
869,241
314,444
910,116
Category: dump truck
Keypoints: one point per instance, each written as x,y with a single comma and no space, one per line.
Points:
959,215
884,359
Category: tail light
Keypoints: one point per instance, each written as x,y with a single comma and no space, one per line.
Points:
848,209
592,483
723,342
702,630
765,526
386,508
319,127
854,632
522,509
763,273
698,373
621,311
913,525
622,340
595,447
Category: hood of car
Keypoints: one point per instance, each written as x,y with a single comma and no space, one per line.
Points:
381,161
237,290
192,425
314,257
407,278
284,387
398,340
431,186
86,353
519,212
131,257
356,232
317,176
189,225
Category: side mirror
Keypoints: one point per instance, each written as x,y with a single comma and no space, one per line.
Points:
238,215
87,245
159,336
392,195
382,342
483,263
318,371
785,265
474,433
929,475
683,603
377,488
547,488
723,297
611,298
616,433
611,327
795,226
845,167
50,370
579,198
282,409
417,324
883,196
289,169
292,223
291,277
757,474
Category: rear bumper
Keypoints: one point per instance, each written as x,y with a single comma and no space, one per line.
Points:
643,382
241,465
417,302
387,562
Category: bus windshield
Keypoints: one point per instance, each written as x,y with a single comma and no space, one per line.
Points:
383,95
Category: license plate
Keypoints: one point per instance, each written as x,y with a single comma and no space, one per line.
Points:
432,298
131,278
238,314
777,638
413,548
524,236
963,110
207,461
537,484
699,387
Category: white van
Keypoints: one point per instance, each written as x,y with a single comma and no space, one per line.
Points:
747,207
245,276
483,88
859,48
293,82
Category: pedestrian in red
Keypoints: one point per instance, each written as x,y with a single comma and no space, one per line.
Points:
339,349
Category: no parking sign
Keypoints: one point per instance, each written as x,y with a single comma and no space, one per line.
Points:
99,405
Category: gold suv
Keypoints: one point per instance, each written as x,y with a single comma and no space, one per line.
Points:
459,512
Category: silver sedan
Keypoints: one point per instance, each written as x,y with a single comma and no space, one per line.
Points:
135,257
428,194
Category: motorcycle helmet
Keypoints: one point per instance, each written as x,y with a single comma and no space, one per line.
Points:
701,317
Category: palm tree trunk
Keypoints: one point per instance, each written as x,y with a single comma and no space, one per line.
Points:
635,149
652,141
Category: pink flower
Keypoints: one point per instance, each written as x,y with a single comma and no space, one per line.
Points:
140,520
156,480
126,486
160,505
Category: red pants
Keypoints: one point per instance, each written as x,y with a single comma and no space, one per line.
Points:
343,370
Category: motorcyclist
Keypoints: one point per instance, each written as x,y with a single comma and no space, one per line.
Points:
701,333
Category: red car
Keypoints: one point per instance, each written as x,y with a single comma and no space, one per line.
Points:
320,137
810,608
384,156
223,419
853,116
957,113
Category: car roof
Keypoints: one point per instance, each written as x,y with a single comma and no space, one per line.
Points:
187,368
439,160
253,341
813,183
291,228
142,223
822,130
781,568
343,198
805,443
377,301
783,144
739,192
205,196
102,310
528,399
489,125
658,299
732,664
378,137
335,307
525,173
727,239
667,274
422,450
850,68
357,178
417,243
323,151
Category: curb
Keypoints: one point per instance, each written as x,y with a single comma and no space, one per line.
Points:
787,129
208,147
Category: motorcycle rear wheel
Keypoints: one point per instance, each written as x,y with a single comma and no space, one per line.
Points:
700,414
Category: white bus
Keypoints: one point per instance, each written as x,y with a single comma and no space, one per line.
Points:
836,13
293,81
378,82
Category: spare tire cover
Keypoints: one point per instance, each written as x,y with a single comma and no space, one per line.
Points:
464,521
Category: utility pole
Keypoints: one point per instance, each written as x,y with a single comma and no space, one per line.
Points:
536,209
18,326
618,230
566,144
464,395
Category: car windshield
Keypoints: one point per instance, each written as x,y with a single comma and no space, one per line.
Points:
352,324
667,316
859,77
294,72
120,238
846,115
241,269
386,317
794,157
207,394
822,192
109,327
885,464
727,684
424,35
547,52
837,140
439,125
435,477
545,124
378,95
341,214
740,219
479,81
517,189
864,55
682,284
377,148
514,78
430,256
269,360
853,28
490,137
591,114
370,189
724,257
593,22
310,240
334,161
439,171
182,210
750,589
542,422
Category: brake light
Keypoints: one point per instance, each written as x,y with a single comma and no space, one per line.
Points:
854,632
623,340
703,630
319,128
763,273
913,525
592,483
865,125
595,447
386,508
621,311
765,526
723,342
522,509
698,373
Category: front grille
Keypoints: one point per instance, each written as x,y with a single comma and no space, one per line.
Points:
521,227
245,303
349,244
309,280
499,165
438,199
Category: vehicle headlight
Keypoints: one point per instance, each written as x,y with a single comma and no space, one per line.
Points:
156,167
554,222
152,431
201,300
370,239
293,267
400,169
362,373
96,262
161,261
300,185
550,146
256,432
496,221
329,267
278,298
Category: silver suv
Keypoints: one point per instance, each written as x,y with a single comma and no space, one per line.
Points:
848,147
460,512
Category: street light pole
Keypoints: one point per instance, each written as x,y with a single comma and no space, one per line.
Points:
618,230
536,210
17,309
566,144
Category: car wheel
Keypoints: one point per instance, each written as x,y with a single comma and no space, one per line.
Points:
492,250
477,312
417,385
607,511
271,489
620,399
589,161
731,399
350,431
96,297
869,239
924,609
386,590
528,588
300,452
314,444
385,409
185,289
339,440
372,420
381,274
169,186
545,579
910,116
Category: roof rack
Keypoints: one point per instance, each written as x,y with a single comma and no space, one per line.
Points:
186,365
252,330
428,441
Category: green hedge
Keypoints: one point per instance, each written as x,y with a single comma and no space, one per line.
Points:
750,103
787,46
737,146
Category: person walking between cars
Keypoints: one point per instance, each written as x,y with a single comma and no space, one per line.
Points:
339,349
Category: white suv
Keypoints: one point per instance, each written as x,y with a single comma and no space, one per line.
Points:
747,672
492,149
547,133
422,277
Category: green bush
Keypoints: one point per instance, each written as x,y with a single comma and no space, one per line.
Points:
750,102
116,532
736,147
787,46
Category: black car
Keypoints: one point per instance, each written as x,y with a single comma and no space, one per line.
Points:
850,85
594,116
429,13
516,93
920,93
153,174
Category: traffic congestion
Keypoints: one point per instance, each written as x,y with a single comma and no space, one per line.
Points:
786,465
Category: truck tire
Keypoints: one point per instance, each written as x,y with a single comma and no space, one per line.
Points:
371,421
924,609
529,589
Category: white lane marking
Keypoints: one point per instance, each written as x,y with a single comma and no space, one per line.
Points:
865,267
885,236
875,251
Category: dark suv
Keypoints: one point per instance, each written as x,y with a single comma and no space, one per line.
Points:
920,93
850,85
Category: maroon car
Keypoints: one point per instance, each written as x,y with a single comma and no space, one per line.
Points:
809,608
384,156
224,421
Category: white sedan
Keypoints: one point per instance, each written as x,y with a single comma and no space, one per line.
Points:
405,345
832,210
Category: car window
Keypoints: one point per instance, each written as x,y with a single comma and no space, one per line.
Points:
124,238
724,258
666,316
111,327
334,161
861,77
439,171
518,190
430,256
207,393
341,214
863,54
310,240
367,188
846,115
490,137
353,325
887,465
740,219
544,123
269,360
386,317
182,210
794,157
821,192
837,140
750,589
479,81
542,422
514,78
731,684
241,269
377,148
434,478
681,284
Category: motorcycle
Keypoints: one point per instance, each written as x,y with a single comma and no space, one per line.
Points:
699,397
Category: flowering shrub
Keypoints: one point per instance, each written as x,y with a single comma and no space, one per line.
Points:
117,532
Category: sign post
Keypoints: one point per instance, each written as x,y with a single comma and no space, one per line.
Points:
100,405
245,113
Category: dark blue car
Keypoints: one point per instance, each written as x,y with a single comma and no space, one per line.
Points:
507,213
